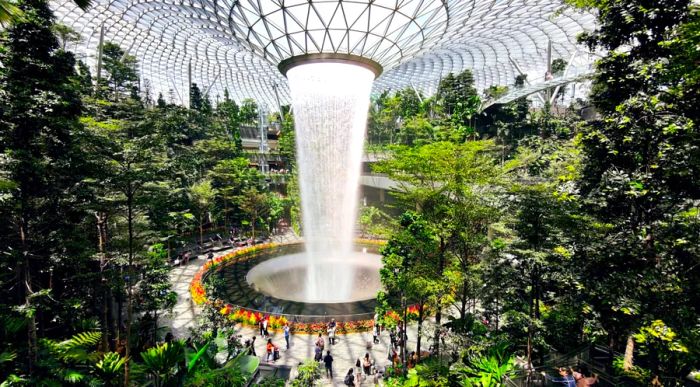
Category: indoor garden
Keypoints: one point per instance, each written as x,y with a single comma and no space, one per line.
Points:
364,193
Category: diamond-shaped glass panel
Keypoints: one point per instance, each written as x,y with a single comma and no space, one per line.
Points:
237,44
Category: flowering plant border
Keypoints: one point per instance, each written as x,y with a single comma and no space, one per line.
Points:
251,317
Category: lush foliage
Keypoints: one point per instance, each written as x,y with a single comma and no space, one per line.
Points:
523,223
100,187
569,232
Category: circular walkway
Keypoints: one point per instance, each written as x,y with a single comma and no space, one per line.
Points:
345,352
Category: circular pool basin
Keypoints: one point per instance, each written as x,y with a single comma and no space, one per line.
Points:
275,281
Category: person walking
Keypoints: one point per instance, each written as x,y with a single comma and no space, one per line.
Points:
286,334
318,353
367,364
251,347
320,342
328,361
261,327
375,333
349,378
331,332
271,349
265,323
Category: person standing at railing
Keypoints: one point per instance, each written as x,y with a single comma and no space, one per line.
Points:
582,380
286,333
566,378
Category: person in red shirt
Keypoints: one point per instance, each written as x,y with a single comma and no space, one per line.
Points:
271,349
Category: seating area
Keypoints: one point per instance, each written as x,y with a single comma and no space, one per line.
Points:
213,243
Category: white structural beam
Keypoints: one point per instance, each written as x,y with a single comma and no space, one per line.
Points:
237,45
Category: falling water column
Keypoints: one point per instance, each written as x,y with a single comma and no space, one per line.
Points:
330,102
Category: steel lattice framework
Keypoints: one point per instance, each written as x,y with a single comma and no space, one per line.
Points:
237,44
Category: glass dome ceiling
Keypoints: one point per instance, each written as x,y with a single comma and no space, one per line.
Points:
237,44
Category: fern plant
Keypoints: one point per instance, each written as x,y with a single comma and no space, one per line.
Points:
68,361
110,369
162,363
488,369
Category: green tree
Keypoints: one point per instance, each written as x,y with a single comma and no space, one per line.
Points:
231,178
455,89
121,69
384,119
132,157
255,205
409,103
85,79
154,287
10,12
642,167
416,130
198,101
413,270
308,373
161,101
442,181
40,170
287,140
202,196
65,35
249,111
229,113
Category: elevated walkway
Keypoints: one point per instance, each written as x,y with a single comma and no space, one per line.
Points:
378,181
535,88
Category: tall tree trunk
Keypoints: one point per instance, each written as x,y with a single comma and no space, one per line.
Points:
529,323
129,305
101,243
155,327
629,354
113,318
26,280
201,229
420,329
438,330
465,300
537,297
438,313
498,313
225,215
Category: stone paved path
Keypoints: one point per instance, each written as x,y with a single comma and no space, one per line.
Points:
346,351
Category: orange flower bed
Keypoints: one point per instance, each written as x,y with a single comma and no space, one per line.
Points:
199,296
252,318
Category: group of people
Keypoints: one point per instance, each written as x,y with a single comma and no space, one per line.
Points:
397,339
573,378
320,342
319,345
364,368
272,351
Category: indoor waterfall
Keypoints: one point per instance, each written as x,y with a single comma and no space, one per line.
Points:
330,102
